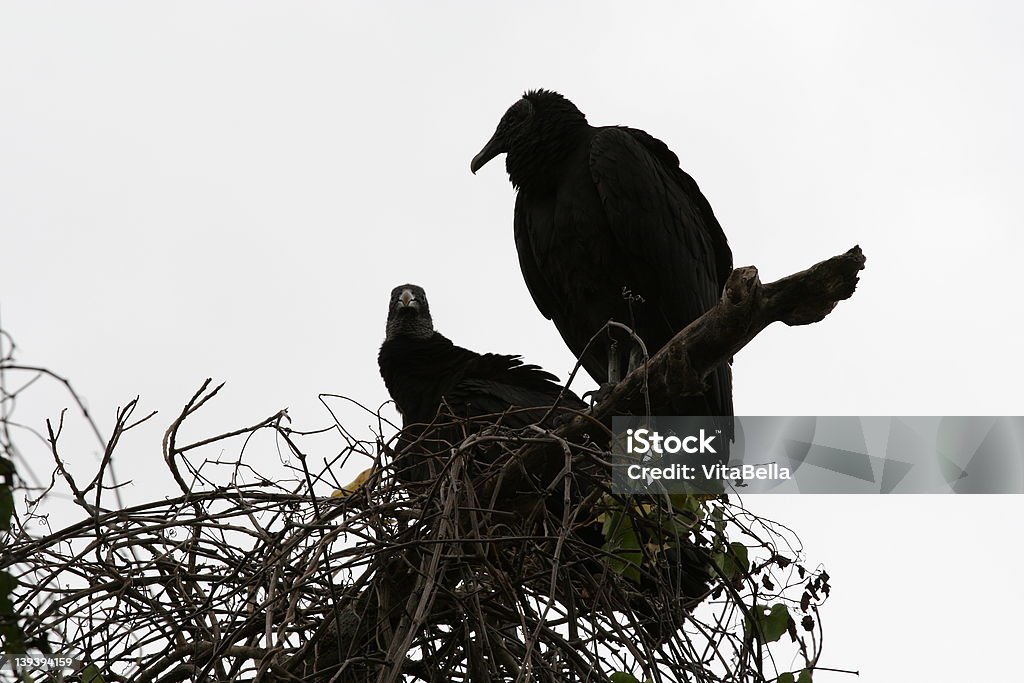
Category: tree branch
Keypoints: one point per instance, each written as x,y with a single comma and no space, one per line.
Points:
679,367
746,308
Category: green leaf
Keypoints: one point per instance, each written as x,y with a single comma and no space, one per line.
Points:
683,501
7,584
623,677
718,517
734,561
13,638
6,508
771,623
622,543
6,494
91,674
664,528
804,677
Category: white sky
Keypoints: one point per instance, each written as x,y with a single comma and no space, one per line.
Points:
231,189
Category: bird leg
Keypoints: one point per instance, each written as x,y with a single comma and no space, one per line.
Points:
636,357
614,375
597,395
614,367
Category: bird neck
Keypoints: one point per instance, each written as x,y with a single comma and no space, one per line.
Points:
536,164
410,326
417,371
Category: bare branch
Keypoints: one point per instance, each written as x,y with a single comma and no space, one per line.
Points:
511,561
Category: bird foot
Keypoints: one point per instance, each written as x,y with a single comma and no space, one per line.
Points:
599,394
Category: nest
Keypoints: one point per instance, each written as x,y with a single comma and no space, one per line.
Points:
475,568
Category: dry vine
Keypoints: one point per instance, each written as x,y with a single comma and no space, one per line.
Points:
471,575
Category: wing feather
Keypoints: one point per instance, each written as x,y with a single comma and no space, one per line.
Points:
664,226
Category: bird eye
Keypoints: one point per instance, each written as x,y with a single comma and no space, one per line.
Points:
516,115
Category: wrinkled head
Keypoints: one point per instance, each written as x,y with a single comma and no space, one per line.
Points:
409,313
539,124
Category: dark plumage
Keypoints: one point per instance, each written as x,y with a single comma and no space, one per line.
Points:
605,209
423,369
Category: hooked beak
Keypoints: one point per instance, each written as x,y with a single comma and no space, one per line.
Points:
406,299
493,148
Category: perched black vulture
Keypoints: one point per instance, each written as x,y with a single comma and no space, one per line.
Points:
423,369
602,211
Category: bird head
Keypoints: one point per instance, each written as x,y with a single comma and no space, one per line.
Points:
409,313
537,128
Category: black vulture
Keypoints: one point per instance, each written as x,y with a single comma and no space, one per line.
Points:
424,370
608,226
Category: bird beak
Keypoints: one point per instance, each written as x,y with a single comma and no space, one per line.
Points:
406,299
493,148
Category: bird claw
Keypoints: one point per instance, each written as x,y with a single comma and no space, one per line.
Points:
600,394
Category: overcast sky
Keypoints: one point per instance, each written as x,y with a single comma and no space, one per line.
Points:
231,189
